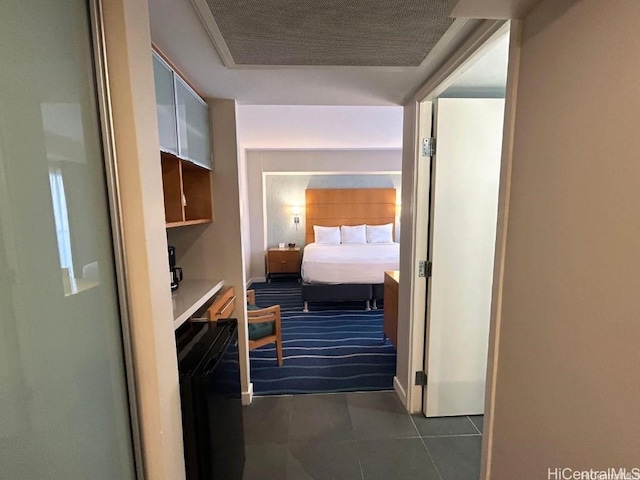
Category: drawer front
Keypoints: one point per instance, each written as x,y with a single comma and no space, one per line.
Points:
284,266
283,256
223,305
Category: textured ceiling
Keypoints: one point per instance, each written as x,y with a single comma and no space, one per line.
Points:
330,32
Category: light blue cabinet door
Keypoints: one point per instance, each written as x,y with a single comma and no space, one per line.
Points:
166,105
194,138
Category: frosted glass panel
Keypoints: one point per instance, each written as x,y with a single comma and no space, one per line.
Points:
166,105
64,411
193,125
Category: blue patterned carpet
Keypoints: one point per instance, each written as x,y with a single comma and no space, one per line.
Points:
336,347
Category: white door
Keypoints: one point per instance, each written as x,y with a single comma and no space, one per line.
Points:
464,202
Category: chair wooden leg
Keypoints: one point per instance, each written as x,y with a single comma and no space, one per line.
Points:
279,353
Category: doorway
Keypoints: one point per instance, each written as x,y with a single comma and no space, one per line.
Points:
463,207
465,114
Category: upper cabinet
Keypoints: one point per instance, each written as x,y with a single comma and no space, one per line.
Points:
166,104
194,139
183,117
185,144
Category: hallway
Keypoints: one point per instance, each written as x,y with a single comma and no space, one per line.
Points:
356,436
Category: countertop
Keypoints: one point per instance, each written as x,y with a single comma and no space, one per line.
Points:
190,296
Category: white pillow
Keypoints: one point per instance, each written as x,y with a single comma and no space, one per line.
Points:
327,235
353,235
380,233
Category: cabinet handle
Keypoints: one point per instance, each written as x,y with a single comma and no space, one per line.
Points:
184,200
228,304
220,313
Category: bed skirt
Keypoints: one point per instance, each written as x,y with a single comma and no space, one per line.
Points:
342,292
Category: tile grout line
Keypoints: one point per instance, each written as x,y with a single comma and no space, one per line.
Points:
360,462
291,407
474,425
427,449
355,440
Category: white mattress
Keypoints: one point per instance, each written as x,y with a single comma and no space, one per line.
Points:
364,263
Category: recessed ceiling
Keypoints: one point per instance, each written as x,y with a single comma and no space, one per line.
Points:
181,32
326,32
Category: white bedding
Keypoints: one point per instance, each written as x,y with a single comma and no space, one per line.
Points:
364,263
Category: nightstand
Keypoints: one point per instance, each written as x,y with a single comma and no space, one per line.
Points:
283,262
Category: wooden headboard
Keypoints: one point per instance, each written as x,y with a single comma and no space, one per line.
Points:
332,207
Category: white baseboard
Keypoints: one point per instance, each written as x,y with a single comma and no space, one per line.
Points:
400,392
256,280
247,397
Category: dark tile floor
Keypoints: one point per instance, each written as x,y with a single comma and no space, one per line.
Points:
355,436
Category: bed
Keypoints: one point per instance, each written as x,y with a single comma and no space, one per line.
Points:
349,263
344,272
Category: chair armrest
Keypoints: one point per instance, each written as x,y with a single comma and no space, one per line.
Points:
267,314
251,297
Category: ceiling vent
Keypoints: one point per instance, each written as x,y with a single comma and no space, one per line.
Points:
378,33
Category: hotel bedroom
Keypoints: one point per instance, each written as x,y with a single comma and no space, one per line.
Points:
289,156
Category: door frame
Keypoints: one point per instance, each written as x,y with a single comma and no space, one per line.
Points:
475,46
103,100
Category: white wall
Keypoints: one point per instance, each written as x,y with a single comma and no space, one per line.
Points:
214,250
318,127
566,392
317,130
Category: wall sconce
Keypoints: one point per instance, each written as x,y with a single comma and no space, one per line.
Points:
296,215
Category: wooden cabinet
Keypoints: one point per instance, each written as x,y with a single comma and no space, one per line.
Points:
283,262
185,148
187,192
390,319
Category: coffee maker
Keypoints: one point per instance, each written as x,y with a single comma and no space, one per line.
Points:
175,273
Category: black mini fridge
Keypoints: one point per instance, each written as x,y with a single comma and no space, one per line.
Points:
210,394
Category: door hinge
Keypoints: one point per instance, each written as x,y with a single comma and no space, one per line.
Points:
428,147
424,268
421,379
